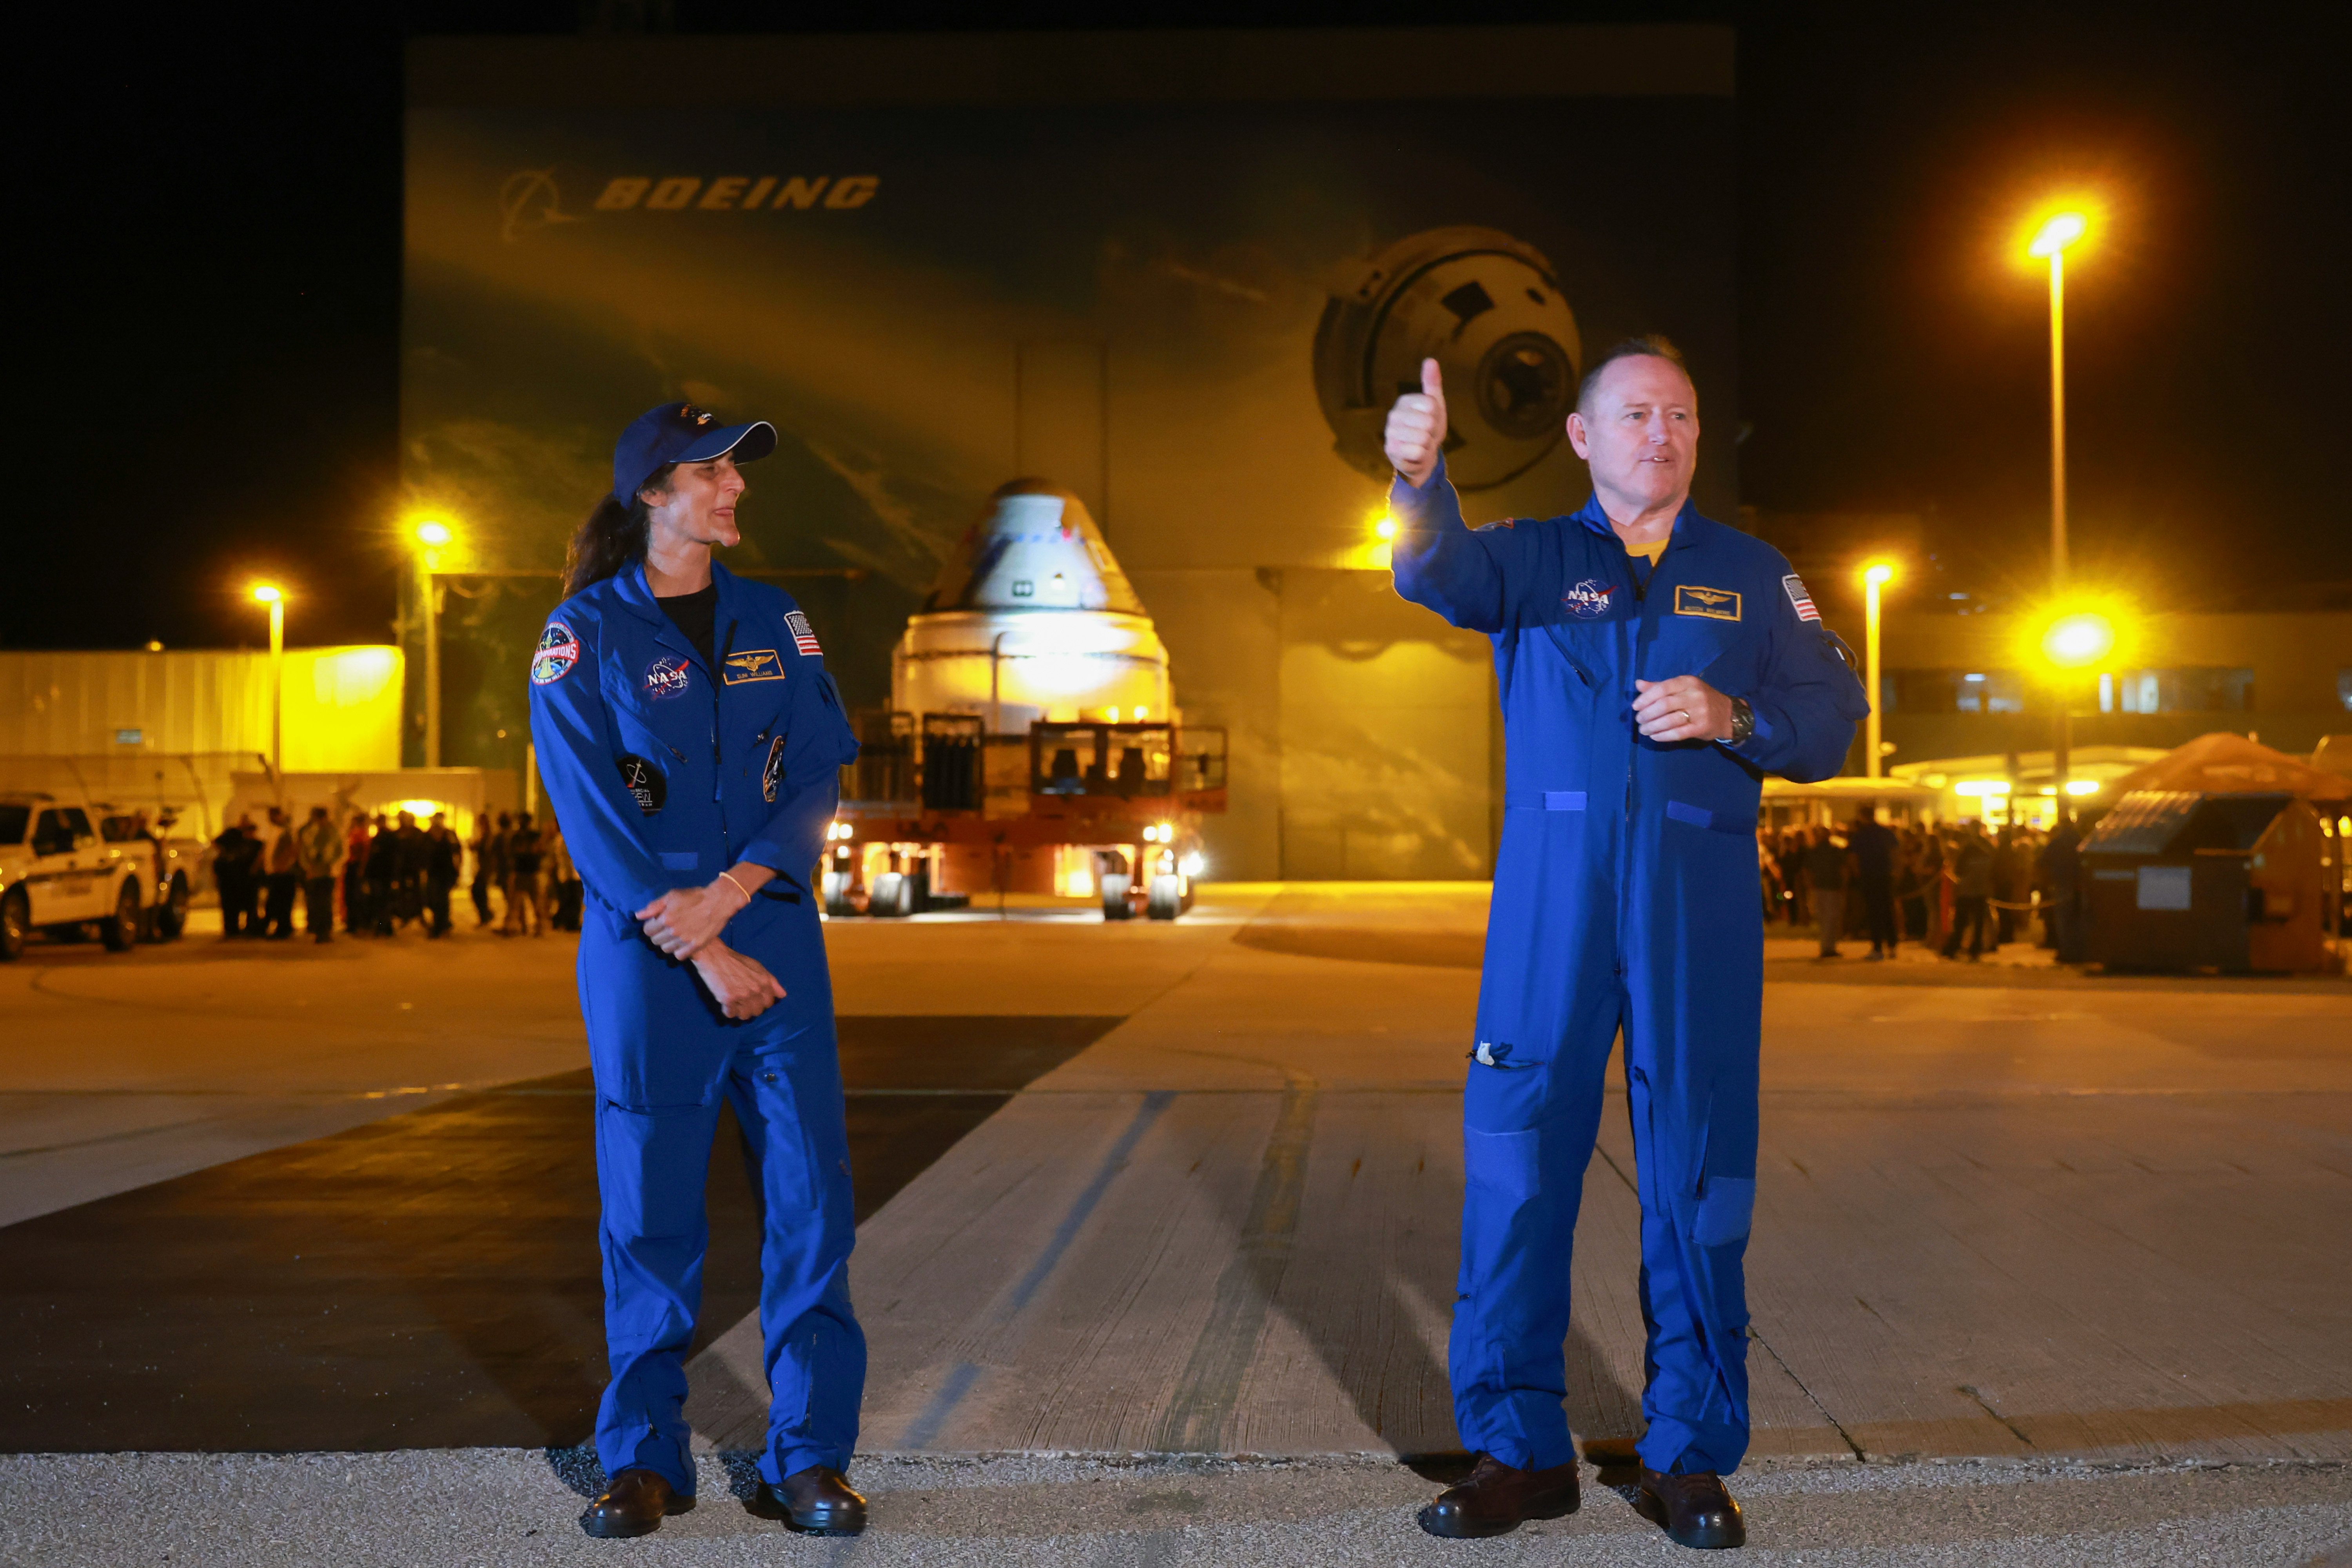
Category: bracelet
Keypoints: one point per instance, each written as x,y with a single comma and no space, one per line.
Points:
739,887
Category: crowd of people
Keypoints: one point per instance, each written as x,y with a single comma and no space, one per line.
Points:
1950,887
379,873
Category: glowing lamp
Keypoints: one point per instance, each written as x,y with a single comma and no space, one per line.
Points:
267,594
433,534
1982,786
2057,232
2075,641
2081,786
1385,528
1878,574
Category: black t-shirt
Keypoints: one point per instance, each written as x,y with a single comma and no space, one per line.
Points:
697,614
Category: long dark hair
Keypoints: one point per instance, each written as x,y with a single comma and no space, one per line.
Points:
612,538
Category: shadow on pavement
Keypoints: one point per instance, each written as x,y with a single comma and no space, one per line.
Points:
429,1281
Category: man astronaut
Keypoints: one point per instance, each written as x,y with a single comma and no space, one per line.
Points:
1652,666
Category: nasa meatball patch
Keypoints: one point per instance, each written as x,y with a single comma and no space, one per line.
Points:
557,652
1590,600
666,677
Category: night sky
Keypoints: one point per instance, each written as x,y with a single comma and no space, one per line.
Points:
206,348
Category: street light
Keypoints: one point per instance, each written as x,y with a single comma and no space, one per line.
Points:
431,536
2058,231
1874,576
270,593
2078,641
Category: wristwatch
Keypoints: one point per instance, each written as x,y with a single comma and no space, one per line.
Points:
1743,722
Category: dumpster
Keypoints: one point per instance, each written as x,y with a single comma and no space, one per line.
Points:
2176,880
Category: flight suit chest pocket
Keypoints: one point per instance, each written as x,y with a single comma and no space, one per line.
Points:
649,735
1695,644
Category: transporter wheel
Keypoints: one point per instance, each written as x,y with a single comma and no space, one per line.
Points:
169,922
120,931
1116,904
13,927
1167,900
891,896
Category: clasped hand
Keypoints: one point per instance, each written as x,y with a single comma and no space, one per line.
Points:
685,924
742,987
684,920
1683,709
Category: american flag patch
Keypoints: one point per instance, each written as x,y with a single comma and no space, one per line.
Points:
1799,597
805,640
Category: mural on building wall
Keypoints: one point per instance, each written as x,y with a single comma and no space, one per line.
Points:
1191,316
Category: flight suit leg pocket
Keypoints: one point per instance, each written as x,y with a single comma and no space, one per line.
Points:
1509,1165
777,1146
651,1165
1726,1211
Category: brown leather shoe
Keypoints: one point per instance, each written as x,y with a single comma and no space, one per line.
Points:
1494,1499
633,1504
1694,1510
814,1501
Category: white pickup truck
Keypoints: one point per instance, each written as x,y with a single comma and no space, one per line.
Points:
69,868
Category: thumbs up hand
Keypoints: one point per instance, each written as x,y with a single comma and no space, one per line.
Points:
1416,432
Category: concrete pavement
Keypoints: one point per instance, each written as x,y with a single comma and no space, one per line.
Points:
469,1507
2007,1234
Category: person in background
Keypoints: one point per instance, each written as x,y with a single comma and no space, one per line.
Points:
2062,875
233,857
1873,847
1910,908
1768,873
1794,842
1935,887
522,877
356,915
444,855
562,880
408,869
481,883
2009,862
281,874
1971,894
319,855
1825,871
382,872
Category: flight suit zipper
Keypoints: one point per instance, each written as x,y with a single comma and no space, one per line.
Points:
718,750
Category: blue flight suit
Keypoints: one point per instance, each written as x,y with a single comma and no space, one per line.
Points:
1626,896
663,772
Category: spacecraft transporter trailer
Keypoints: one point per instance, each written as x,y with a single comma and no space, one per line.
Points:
938,813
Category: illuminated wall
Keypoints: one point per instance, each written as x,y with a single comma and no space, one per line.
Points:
1177,273
341,705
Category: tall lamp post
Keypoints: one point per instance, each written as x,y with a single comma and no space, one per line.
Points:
270,593
431,538
1874,576
2057,233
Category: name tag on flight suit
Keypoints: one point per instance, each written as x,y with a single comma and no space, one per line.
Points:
1715,604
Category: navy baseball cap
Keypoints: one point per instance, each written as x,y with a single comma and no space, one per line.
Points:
681,433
